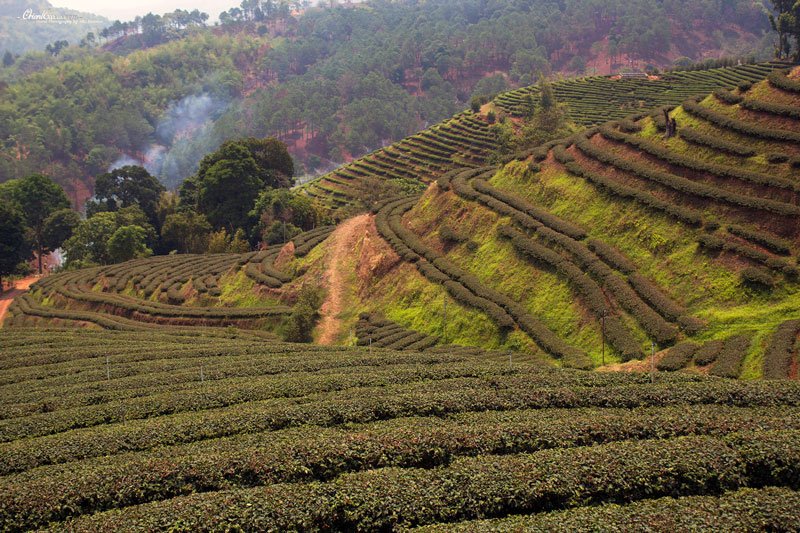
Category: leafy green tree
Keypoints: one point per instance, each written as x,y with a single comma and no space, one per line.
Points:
239,244
786,22
8,59
13,245
229,180
89,243
547,100
219,242
128,242
228,188
59,227
304,316
133,215
490,86
284,206
273,164
38,197
129,185
186,232
279,232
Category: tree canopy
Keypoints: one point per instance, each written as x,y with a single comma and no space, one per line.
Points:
13,246
230,179
38,197
127,186
341,83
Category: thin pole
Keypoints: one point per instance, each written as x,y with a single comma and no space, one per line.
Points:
202,377
108,369
444,318
652,361
603,336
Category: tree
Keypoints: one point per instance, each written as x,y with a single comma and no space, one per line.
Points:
186,232
55,48
59,227
282,206
787,25
228,188
304,316
89,242
134,216
38,197
13,246
229,180
128,242
218,242
239,244
129,185
274,165
8,59
547,100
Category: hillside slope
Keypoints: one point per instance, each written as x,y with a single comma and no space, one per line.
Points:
689,241
21,31
467,139
599,249
333,84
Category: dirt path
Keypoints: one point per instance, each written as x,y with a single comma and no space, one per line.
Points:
344,241
644,365
8,296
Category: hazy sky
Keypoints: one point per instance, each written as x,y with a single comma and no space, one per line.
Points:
128,9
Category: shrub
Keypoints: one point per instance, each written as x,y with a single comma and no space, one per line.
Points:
730,357
773,108
734,124
612,256
778,79
757,277
618,335
449,235
685,185
708,352
677,357
692,135
728,97
684,214
305,313
773,244
677,159
777,158
782,349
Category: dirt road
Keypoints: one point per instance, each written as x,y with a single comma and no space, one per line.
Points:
344,241
8,296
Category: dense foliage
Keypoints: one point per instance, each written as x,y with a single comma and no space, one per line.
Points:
74,115
227,430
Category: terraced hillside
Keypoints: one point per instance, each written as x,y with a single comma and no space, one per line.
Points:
597,99
625,235
124,431
618,245
466,140
170,291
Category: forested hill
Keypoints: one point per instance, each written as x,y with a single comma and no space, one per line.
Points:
20,33
333,83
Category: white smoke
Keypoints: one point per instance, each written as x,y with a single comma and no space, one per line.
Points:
186,116
123,161
184,134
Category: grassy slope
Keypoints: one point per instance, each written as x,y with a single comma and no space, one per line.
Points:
665,251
